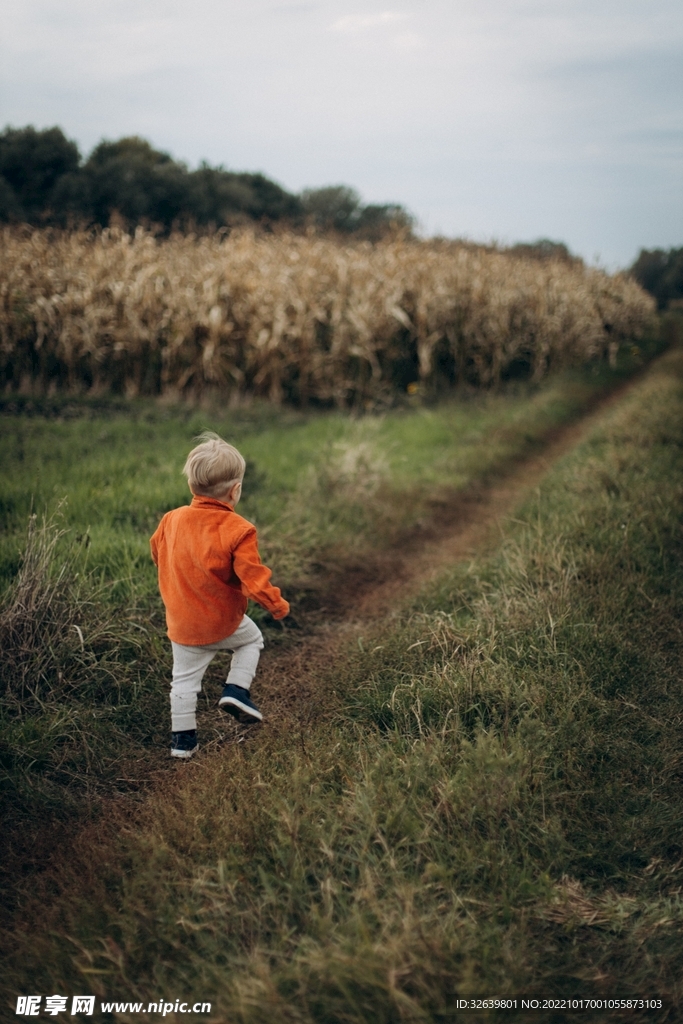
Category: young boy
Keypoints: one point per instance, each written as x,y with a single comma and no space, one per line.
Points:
209,564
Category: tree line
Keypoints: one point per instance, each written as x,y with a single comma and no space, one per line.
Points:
44,180
661,273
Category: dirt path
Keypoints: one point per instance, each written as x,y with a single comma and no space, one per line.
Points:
459,526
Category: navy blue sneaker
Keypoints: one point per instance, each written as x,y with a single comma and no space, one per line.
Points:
184,744
236,701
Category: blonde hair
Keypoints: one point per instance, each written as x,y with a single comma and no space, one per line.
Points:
214,466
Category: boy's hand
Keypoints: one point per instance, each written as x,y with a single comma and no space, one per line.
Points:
288,622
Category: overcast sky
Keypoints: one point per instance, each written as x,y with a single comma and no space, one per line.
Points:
490,119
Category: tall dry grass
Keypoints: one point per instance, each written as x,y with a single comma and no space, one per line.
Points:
294,318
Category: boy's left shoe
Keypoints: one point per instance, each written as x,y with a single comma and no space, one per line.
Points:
184,744
236,701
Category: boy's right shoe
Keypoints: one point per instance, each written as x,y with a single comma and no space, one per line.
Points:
236,701
184,744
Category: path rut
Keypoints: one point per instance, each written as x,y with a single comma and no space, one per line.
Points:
360,595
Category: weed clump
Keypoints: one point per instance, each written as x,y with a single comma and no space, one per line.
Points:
38,613
77,677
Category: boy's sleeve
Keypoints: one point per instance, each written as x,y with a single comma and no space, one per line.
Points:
255,577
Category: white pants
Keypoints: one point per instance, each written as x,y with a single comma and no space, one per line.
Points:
190,664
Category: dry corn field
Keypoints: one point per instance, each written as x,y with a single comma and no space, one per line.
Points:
294,318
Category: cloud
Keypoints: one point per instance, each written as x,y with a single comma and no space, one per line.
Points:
507,118
407,42
359,22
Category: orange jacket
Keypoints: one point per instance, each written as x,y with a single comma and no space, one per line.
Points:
209,564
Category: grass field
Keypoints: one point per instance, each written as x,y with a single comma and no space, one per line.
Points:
313,480
324,490
487,799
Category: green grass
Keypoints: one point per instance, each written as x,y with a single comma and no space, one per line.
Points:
309,477
323,489
488,801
